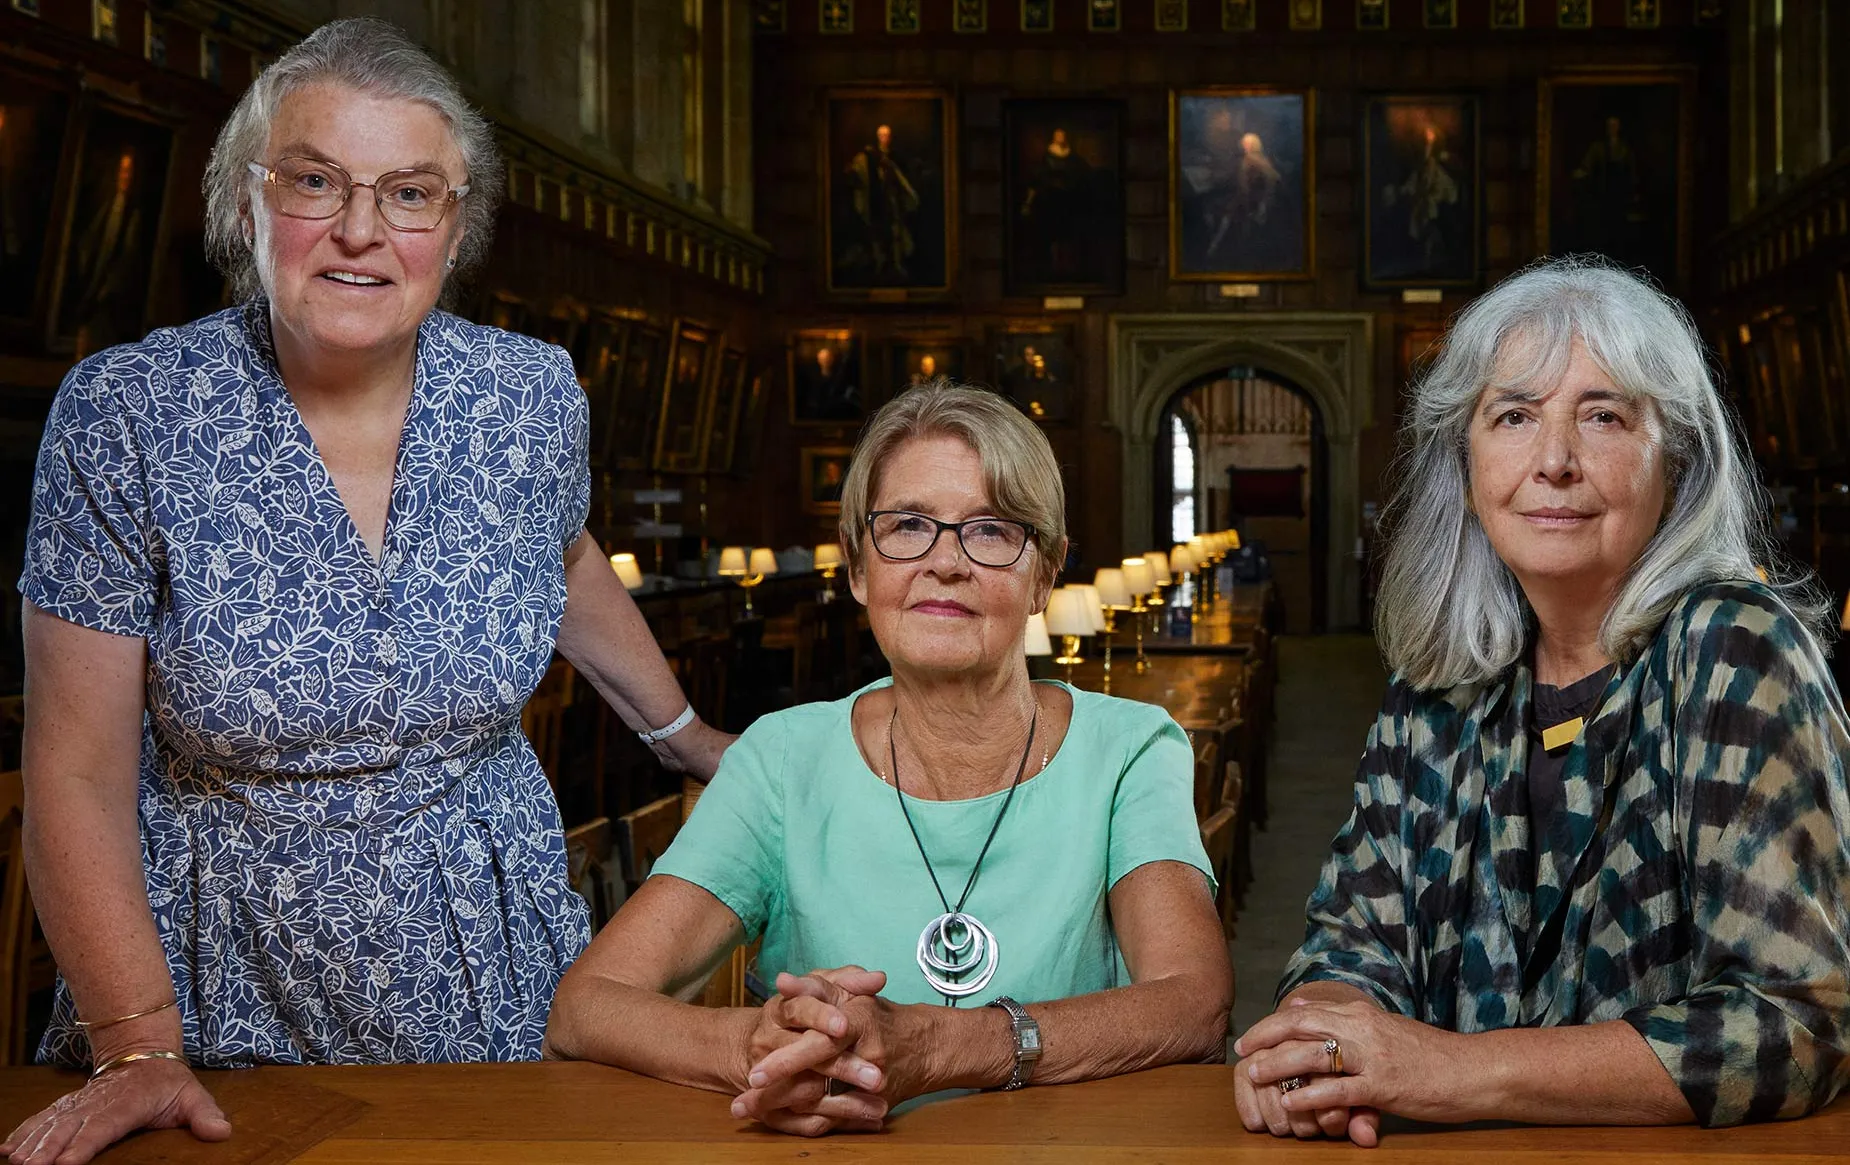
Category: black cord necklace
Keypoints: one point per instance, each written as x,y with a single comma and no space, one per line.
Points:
954,944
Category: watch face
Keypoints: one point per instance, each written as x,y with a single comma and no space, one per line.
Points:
1031,1040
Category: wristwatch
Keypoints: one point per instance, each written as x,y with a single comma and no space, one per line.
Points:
1027,1041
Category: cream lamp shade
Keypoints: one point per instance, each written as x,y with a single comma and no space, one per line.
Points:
1112,591
1846,623
628,573
1095,606
1159,565
1198,546
1035,641
1181,558
764,561
1066,613
732,560
828,555
1138,576
1233,539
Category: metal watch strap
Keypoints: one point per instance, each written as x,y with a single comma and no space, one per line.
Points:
1027,1041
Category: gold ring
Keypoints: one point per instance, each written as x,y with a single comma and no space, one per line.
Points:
1336,1056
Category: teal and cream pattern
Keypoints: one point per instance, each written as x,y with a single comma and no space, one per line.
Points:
1697,885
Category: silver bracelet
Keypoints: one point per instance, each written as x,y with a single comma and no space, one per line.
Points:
657,735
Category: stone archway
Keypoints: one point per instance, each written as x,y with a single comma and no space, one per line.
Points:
1329,355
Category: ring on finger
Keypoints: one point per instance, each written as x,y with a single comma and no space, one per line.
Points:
1291,1084
829,1083
1335,1051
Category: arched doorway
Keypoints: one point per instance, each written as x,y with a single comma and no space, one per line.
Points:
1246,448
1329,356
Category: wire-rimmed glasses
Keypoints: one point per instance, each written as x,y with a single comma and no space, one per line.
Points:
904,536
408,200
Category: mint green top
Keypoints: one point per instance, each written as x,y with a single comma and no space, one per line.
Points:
808,847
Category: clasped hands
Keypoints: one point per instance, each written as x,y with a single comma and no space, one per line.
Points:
827,1031
1390,1063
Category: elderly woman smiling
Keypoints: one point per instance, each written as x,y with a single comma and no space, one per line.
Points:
970,836
329,842
1597,870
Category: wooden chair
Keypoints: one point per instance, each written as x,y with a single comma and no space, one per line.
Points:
587,862
1217,835
1207,772
1232,796
543,719
727,986
15,923
644,835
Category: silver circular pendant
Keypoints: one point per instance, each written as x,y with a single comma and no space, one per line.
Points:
957,955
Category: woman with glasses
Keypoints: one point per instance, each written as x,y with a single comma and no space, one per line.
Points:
961,879
293,570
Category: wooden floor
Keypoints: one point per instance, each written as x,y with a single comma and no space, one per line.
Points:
583,1114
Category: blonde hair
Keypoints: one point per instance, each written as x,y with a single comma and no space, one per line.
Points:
1449,611
1020,472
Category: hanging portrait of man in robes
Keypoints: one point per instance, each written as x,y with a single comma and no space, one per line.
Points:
1064,189
888,190
1241,177
1421,169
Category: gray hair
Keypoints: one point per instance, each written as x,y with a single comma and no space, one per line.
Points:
373,57
1020,471
1449,611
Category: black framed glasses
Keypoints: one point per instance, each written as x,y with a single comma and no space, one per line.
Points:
408,200
904,536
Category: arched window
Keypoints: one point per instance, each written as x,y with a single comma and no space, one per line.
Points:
1182,479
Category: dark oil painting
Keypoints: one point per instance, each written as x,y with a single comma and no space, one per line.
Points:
34,119
1241,177
887,187
1064,190
112,235
1422,225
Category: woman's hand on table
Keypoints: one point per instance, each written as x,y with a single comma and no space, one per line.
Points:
1390,1063
804,1042
145,1094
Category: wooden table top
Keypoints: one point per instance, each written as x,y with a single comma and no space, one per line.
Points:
1200,691
585,1114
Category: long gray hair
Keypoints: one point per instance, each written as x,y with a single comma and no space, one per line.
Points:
373,57
1449,611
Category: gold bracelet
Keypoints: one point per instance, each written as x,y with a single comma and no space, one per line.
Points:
99,1024
131,1057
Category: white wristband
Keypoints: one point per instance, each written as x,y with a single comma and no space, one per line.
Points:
657,735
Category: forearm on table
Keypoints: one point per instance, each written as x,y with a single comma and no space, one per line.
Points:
1593,1074
83,859
1178,1019
656,1035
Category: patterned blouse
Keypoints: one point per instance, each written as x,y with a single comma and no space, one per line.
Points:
351,852
1697,885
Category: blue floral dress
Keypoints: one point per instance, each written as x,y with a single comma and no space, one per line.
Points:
352,854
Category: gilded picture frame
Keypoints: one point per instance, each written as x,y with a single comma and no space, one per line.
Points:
1242,174
821,469
1614,149
686,387
1422,191
888,192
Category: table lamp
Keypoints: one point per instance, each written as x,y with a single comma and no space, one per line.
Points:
828,561
1035,641
1159,570
1113,596
1139,579
1067,618
627,571
1181,562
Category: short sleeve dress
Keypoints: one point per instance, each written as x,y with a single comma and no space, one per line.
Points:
352,854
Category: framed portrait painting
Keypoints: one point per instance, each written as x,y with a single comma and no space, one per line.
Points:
723,412
888,192
1241,174
35,121
112,231
822,471
1422,224
605,335
825,378
921,359
1035,368
635,410
691,357
1063,185
1614,172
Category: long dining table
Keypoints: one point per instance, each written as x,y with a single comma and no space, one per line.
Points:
587,1114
